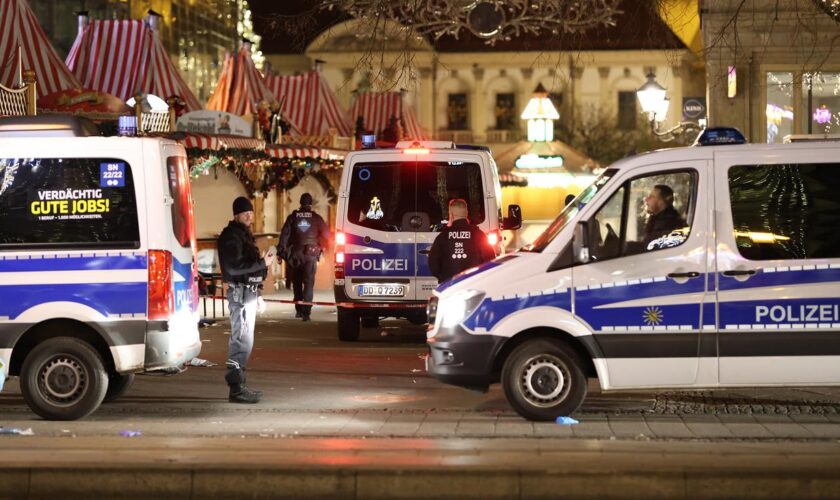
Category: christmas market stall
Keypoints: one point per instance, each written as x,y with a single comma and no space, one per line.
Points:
309,105
387,115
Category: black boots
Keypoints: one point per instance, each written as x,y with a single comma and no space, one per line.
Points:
239,393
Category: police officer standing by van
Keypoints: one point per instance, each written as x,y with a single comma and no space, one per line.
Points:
304,237
243,269
460,246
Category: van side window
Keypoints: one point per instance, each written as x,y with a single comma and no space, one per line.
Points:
67,203
645,214
787,211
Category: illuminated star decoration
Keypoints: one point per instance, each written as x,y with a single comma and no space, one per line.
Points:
653,316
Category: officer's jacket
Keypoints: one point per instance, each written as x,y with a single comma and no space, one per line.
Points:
305,234
239,256
458,248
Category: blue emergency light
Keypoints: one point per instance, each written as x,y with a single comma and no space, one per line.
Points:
369,141
720,136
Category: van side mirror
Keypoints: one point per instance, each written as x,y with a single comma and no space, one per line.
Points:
514,218
581,243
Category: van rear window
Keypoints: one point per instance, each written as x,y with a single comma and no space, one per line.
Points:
394,196
183,221
67,203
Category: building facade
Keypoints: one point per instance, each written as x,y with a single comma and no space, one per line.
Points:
781,74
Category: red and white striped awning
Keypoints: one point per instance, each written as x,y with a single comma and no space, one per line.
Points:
378,107
310,104
280,151
241,86
219,142
125,57
20,28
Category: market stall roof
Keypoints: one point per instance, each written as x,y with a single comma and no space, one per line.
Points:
20,28
241,87
123,57
217,142
281,151
573,161
378,107
309,104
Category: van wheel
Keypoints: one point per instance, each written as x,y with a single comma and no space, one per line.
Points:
543,380
370,321
118,385
63,378
348,325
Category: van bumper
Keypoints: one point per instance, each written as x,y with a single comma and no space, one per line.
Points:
387,308
460,358
170,346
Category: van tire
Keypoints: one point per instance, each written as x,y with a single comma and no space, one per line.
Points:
118,385
348,325
63,366
543,379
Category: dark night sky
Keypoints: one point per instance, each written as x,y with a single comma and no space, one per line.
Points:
637,28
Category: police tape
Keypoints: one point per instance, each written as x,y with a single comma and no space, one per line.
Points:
347,305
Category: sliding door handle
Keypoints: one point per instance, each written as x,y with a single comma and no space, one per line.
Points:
739,272
690,274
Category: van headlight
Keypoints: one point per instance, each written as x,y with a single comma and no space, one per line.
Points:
458,307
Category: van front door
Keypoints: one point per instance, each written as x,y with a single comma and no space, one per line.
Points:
778,279
643,291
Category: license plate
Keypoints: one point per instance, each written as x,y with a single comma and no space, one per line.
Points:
381,290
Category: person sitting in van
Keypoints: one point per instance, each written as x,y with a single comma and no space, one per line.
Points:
662,216
460,246
243,269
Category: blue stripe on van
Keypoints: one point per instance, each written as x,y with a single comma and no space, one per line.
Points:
491,311
92,263
105,298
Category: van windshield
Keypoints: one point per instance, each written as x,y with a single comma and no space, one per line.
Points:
413,196
568,213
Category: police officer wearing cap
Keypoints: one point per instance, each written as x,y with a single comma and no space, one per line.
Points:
304,237
243,269
459,246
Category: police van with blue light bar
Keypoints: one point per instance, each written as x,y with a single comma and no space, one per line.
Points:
392,204
701,267
98,277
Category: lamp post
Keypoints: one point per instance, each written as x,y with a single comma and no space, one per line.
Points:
655,104
540,114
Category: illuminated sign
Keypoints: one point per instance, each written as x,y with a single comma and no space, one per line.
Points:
731,82
539,161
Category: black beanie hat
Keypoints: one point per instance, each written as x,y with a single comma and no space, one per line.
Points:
306,200
242,204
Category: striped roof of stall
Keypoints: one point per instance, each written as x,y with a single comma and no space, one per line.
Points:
219,142
309,104
123,57
378,107
20,28
282,151
241,86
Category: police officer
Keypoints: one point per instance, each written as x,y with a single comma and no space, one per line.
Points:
305,235
243,269
459,246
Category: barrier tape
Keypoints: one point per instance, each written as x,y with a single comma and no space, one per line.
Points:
348,305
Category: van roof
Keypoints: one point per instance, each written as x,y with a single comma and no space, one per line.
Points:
47,126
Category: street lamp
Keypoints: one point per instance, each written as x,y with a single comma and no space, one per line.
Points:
540,113
654,103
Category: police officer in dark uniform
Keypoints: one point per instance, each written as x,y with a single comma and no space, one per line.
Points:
243,269
459,246
304,237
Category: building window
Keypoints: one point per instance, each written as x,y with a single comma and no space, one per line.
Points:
779,110
506,111
457,116
627,113
557,100
821,96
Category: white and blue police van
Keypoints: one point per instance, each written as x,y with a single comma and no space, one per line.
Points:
97,263
745,293
392,203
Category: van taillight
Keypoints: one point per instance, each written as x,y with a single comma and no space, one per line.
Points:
161,298
340,240
494,237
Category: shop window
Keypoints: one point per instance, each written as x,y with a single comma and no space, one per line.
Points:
457,115
821,96
505,111
779,109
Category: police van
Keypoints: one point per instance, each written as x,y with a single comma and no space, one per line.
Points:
741,288
97,263
392,204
